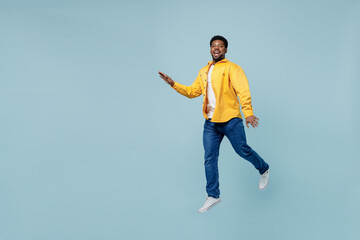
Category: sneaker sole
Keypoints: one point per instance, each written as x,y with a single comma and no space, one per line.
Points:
208,208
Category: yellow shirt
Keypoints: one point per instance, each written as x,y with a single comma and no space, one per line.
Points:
228,82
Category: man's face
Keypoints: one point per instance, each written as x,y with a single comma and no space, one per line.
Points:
218,50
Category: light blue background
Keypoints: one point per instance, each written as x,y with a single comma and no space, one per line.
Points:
94,145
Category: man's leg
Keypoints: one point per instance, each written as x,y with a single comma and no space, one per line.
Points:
211,140
235,131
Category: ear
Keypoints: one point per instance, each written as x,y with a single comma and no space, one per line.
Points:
225,50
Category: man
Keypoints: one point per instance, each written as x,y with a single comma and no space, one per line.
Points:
221,82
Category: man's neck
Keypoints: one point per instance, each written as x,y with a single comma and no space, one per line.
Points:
220,59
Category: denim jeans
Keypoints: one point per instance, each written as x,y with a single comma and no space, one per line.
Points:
212,137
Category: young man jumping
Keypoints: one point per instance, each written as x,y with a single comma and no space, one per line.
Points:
222,84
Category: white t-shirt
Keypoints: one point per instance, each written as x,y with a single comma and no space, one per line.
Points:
210,95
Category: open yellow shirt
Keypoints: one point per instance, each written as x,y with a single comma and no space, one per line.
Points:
229,82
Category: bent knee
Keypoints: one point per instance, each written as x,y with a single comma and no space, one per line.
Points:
244,150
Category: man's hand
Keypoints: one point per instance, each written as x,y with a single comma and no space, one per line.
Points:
167,79
252,120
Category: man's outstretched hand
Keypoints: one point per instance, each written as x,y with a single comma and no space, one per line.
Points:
167,79
252,120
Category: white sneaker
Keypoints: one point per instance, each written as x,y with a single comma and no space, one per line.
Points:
264,180
209,203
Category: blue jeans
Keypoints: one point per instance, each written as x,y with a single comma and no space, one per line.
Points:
212,137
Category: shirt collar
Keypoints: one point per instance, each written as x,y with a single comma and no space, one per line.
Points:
222,61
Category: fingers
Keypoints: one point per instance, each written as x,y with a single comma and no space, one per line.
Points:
253,122
166,78
256,123
162,75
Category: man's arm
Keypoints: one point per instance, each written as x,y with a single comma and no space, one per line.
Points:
188,91
241,85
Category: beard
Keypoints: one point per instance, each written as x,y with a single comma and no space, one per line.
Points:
220,57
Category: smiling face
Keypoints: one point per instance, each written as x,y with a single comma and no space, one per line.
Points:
218,50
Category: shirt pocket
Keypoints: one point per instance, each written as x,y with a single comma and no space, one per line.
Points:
217,79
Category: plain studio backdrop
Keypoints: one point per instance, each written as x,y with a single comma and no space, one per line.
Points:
94,145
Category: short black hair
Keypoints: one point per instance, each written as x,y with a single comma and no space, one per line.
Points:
218,37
